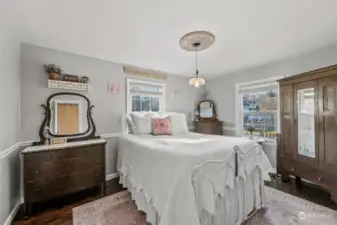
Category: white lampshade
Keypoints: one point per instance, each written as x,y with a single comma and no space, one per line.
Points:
197,82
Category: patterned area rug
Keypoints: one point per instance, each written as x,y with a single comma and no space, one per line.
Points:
281,209
286,209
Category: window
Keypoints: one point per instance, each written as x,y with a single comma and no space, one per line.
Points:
258,109
145,96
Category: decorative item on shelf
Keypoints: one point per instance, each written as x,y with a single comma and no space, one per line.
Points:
70,78
46,135
58,141
53,71
84,79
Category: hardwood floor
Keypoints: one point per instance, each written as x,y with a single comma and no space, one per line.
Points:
59,211
307,191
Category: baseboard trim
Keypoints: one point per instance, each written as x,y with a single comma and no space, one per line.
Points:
12,215
112,176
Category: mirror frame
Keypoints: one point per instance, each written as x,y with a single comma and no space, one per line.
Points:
88,134
214,117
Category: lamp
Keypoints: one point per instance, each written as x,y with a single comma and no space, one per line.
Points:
197,81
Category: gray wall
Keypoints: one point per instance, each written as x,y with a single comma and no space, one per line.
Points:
9,88
9,115
108,107
222,89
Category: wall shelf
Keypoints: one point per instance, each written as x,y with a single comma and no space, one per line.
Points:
68,85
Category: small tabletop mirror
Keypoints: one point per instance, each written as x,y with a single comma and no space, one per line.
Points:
206,110
67,115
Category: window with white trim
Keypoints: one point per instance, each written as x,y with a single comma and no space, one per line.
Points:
259,109
143,96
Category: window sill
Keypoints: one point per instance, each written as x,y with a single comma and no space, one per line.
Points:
261,140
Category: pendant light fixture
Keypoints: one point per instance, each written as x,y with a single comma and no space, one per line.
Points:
197,41
197,81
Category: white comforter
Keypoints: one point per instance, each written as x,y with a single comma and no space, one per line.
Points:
161,166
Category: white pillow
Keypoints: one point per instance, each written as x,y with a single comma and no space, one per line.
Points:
179,123
131,125
142,123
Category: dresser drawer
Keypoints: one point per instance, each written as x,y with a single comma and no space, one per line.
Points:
46,189
208,127
50,169
60,154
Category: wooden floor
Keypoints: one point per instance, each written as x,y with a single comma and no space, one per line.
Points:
59,212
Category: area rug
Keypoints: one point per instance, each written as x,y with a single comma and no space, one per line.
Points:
286,209
281,209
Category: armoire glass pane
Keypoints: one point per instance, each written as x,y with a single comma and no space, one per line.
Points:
306,122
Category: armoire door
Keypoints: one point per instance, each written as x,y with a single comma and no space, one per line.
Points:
328,124
305,120
287,117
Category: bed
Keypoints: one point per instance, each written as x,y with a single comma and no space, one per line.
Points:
160,171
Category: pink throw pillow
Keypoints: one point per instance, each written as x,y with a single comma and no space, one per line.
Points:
161,126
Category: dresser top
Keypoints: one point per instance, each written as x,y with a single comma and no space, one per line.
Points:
40,148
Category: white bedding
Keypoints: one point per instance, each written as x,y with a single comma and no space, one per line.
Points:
161,167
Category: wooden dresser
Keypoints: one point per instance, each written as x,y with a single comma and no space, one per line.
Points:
53,171
206,121
208,127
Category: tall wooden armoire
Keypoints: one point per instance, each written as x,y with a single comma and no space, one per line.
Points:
308,147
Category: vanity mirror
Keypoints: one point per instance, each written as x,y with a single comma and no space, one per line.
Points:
206,110
67,115
207,122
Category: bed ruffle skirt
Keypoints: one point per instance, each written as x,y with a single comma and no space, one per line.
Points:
233,207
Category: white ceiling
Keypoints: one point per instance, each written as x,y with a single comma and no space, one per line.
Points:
146,33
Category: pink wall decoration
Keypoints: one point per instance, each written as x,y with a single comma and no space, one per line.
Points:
113,88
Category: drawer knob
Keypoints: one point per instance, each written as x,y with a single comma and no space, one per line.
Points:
293,170
37,189
320,178
49,157
96,161
37,172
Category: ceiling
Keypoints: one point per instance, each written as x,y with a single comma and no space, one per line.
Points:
146,33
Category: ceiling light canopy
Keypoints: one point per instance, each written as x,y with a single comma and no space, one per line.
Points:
197,41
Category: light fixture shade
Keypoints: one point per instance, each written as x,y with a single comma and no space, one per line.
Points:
197,82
